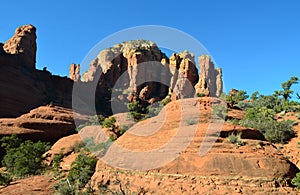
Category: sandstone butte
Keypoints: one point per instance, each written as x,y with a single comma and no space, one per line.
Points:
39,106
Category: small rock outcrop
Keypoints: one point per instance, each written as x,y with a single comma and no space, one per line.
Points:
74,72
210,80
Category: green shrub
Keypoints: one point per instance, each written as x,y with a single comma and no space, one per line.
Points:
200,95
92,147
234,121
110,123
236,139
220,111
26,159
273,131
235,98
9,142
136,110
80,174
279,132
166,100
82,169
65,188
191,121
78,145
244,105
296,180
298,115
5,179
154,109
56,168
124,128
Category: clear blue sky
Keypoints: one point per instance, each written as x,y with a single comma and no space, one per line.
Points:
256,42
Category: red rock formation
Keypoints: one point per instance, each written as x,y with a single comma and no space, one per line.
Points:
46,123
184,75
210,80
22,87
133,66
137,69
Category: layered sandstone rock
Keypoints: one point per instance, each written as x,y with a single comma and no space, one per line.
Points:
210,80
46,123
167,146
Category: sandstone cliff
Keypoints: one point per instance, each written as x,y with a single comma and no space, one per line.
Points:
22,86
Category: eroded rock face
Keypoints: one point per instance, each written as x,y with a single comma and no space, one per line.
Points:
23,44
134,66
210,80
184,75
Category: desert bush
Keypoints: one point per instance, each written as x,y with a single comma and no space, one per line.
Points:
5,179
154,109
278,132
55,165
136,110
262,119
200,95
296,180
26,159
191,121
82,169
77,146
109,123
233,99
80,174
220,111
236,139
166,100
91,146
9,142
124,128
298,115
244,105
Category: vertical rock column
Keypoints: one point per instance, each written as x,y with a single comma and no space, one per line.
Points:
75,72
210,80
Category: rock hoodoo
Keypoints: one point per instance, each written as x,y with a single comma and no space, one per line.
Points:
210,80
